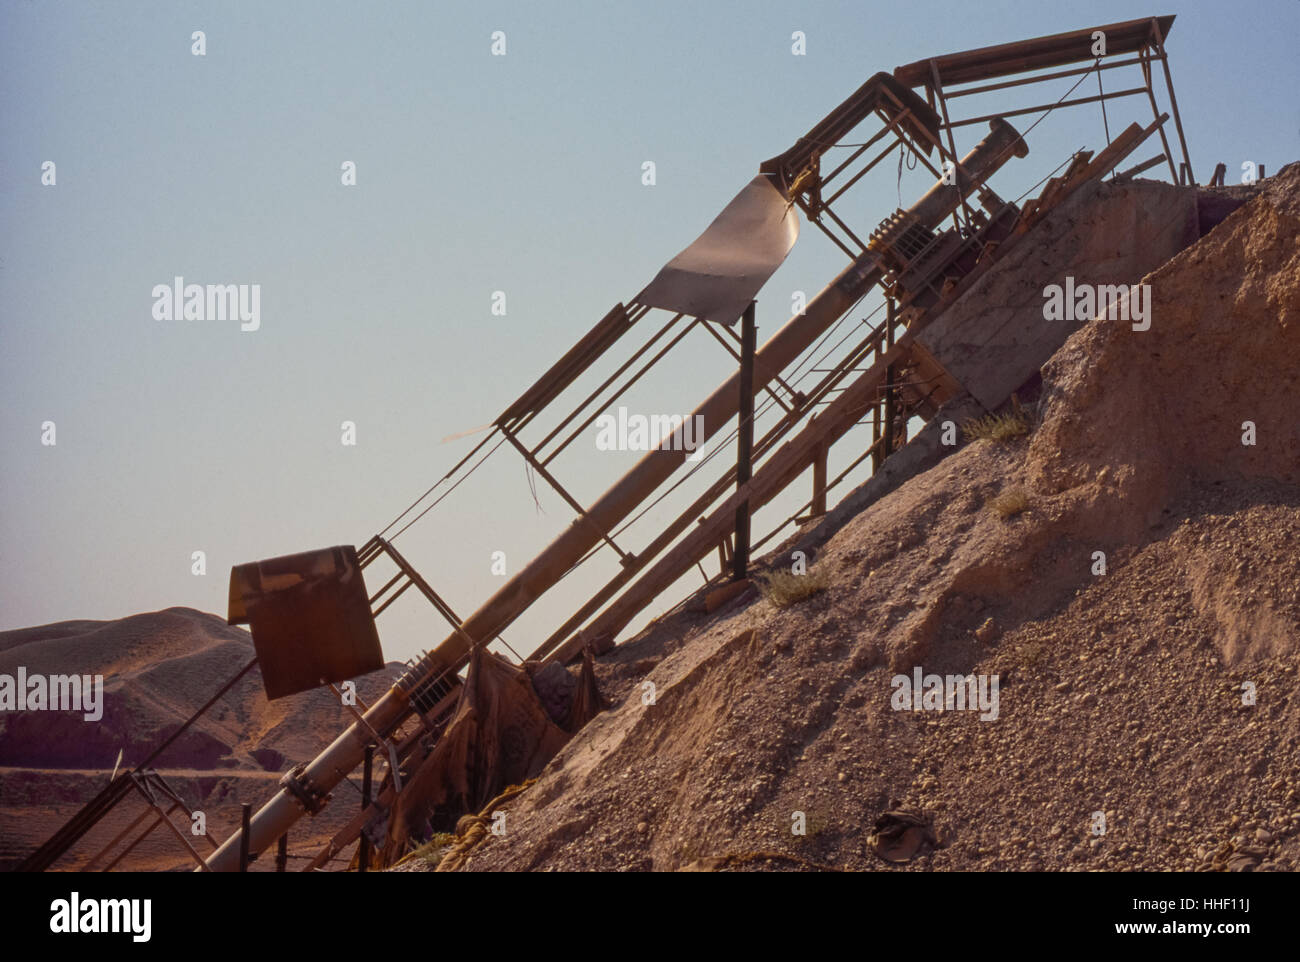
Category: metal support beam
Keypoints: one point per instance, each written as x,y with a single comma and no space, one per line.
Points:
589,400
773,476
1077,101
769,388
559,488
363,850
891,392
99,806
819,481
1173,100
119,837
245,820
1155,112
180,837
1039,78
952,144
745,442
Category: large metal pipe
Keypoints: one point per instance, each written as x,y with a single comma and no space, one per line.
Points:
344,754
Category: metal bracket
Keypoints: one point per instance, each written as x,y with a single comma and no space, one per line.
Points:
309,796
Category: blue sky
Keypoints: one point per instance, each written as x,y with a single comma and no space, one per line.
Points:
476,173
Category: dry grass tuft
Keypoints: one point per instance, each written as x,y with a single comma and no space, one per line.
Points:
997,427
433,850
1008,504
784,588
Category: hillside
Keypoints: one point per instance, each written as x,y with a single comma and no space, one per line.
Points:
158,668
1124,693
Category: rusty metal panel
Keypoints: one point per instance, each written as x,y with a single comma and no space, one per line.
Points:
718,275
310,618
881,92
1056,50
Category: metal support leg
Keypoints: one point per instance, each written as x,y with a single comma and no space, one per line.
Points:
819,481
245,817
363,851
745,448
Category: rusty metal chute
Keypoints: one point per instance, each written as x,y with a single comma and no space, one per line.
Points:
1056,50
309,616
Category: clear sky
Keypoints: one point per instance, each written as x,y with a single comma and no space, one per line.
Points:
475,173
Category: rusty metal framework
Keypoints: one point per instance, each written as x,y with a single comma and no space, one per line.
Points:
155,792
1139,43
820,376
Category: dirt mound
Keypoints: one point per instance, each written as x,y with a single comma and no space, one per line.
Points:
158,668
1141,615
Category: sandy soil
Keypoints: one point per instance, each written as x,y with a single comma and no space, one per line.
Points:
1124,696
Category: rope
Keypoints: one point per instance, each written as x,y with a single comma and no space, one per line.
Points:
471,830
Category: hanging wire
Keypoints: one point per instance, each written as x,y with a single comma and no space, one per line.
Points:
442,496
459,464
900,179
910,153
1050,175
532,487
1102,94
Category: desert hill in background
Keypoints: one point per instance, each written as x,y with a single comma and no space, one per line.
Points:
158,669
